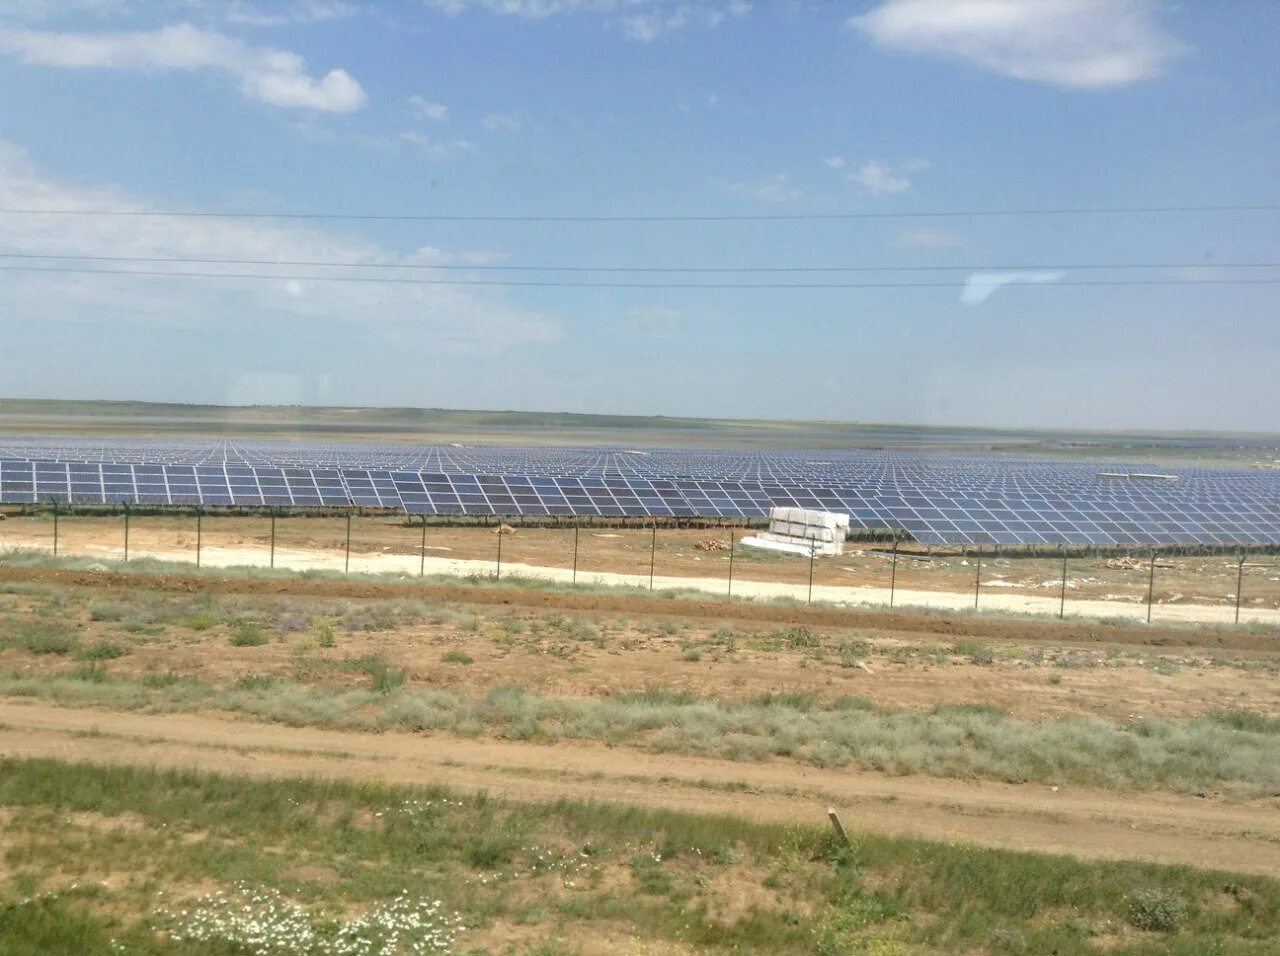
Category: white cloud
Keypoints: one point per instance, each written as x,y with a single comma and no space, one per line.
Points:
279,12
437,148
468,319
502,122
656,320
660,19
431,256
834,162
877,177
38,10
425,109
647,27
1085,44
640,20
775,189
534,9
981,285
927,237
265,73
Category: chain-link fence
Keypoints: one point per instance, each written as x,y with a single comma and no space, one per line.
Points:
1170,586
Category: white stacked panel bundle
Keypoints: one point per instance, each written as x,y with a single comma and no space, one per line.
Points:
800,530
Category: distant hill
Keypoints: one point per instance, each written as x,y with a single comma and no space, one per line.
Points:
53,417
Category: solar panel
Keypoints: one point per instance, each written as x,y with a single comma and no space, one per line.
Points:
935,498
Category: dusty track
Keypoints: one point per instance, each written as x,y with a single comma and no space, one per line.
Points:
1022,631
1090,824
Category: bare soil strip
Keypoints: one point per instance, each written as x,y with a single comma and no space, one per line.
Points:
1023,631
1165,828
942,595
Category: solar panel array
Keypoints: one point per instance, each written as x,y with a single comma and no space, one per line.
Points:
935,498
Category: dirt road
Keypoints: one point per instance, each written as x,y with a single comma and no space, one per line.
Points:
1092,824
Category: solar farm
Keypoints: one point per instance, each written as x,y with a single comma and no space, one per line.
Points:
932,499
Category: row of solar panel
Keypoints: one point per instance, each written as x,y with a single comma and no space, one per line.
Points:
392,489
1001,522
552,462
779,465
45,478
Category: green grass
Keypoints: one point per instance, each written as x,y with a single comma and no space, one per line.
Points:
1236,751
567,871
456,656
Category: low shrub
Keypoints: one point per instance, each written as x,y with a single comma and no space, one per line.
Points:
1155,910
800,637
104,650
323,631
108,611
256,682
384,677
250,635
41,637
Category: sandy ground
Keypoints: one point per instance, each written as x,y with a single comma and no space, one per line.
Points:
310,544
1034,676
1092,824
686,553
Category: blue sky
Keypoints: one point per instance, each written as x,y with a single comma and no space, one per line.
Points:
639,107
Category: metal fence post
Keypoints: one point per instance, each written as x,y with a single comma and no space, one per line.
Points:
893,573
346,565
55,529
273,538
422,561
126,531
1062,602
977,579
576,528
730,563
199,530
653,554
1151,584
813,554
1239,584
498,574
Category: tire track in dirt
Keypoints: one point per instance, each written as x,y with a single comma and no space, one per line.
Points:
1094,824
1029,631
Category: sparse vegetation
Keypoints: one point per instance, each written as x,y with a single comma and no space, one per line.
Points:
324,634
1156,910
364,860
748,690
384,677
249,635
1186,755
38,637
104,650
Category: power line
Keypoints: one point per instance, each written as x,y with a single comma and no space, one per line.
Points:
708,218
396,280
458,267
